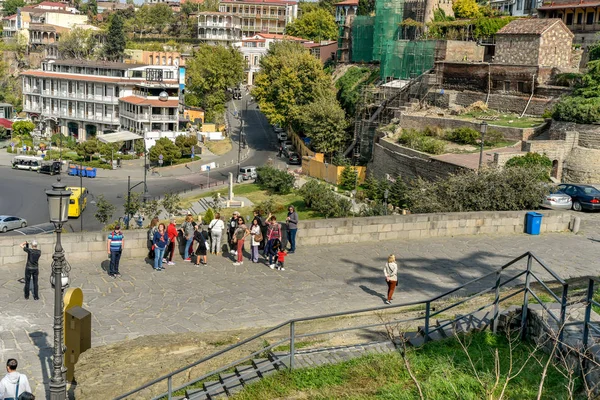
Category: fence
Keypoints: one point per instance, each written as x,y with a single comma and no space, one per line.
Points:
427,310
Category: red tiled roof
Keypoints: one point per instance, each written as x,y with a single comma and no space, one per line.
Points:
147,102
91,78
14,16
52,4
569,4
347,3
278,36
268,2
529,26
6,123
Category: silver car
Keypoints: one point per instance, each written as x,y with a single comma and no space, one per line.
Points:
8,223
557,201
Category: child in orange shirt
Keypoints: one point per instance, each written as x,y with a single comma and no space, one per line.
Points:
281,259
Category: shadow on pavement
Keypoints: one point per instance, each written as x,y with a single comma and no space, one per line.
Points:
40,340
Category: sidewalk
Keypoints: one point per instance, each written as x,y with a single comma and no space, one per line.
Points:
221,296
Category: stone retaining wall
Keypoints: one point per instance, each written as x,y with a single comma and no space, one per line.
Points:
92,245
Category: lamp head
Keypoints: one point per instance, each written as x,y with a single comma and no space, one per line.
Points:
58,203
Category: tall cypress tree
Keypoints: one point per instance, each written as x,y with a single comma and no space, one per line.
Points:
114,48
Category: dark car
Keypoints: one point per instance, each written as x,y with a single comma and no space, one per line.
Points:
50,167
585,197
294,159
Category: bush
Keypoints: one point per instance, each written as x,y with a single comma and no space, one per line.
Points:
311,191
578,109
418,141
509,189
463,136
319,197
348,178
209,215
493,137
540,162
274,180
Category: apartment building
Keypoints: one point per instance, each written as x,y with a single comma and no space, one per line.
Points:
581,17
9,26
261,16
219,28
90,98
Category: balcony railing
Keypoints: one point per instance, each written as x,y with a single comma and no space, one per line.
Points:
137,117
218,37
207,24
162,117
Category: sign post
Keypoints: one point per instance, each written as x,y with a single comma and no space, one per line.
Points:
160,160
208,176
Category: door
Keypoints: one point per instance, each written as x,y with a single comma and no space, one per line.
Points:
12,222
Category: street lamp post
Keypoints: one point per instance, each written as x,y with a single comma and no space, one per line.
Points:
483,130
386,194
58,206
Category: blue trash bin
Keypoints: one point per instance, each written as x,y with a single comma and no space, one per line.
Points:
72,170
534,223
82,172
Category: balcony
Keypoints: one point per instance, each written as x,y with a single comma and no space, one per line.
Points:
162,117
30,90
216,25
134,116
73,95
584,27
32,108
218,37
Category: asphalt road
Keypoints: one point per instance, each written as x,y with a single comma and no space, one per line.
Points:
22,192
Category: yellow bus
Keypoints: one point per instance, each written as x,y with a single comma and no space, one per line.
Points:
78,201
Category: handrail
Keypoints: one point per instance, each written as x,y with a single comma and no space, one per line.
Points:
541,303
427,317
545,287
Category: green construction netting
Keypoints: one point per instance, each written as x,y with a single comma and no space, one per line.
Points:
404,59
388,16
362,39
340,40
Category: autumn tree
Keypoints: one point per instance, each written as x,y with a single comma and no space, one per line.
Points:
466,9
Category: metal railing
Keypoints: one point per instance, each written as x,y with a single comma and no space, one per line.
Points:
498,276
589,303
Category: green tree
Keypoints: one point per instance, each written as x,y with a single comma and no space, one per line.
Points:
289,78
114,48
540,162
133,204
131,3
398,194
324,122
23,128
209,73
92,8
150,209
185,143
10,6
317,24
348,178
104,210
274,180
169,151
87,148
371,186
583,106
466,9
171,203
78,43
208,216
160,17
366,7
108,150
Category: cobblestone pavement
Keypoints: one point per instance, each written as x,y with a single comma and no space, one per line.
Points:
221,296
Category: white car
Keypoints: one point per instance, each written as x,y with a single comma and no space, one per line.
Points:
8,223
558,201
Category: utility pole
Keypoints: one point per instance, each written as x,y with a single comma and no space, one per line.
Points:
81,194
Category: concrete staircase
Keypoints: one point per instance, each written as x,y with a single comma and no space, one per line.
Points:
232,382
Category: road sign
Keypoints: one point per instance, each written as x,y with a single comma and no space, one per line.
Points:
208,168
160,157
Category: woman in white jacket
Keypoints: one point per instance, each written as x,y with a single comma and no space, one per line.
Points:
391,276
215,228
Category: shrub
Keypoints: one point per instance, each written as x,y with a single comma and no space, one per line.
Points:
463,136
209,215
416,140
319,197
493,137
274,180
311,191
348,178
269,206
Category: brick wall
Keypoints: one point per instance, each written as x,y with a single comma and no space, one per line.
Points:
517,49
92,245
420,122
393,159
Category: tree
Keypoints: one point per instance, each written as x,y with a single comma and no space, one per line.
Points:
92,8
537,161
324,122
10,6
348,178
104,210
151,209
274,180
317,24
466,9
87,148
289,78
365,7
133,204
398,191
185,143
114,48
164,146
23,128
129,2
78,43
171,203
209,73
108,150
583,105
160,16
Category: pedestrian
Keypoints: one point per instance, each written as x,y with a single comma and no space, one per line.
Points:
172,234
13,382
256,235
151,231
240,234
233,222
292,227
114,248
264,222
391,277
201,240
281,253
187,228
32,267
273,233
215,228
161,240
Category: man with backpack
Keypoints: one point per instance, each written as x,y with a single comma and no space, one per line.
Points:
13,383
233,223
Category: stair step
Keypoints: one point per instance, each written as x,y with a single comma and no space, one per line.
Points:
414,339
481,320
196,394
280,361
247,374
447,330
231,382
263,366
214,389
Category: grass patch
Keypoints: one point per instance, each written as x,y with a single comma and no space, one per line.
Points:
442,369
219,147
503,119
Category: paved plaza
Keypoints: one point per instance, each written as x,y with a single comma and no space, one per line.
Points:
221,296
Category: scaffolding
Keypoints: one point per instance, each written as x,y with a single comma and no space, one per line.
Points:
404,59
362,39
388,16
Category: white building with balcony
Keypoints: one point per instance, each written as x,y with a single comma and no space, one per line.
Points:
219,28
262,16
9,26
90,98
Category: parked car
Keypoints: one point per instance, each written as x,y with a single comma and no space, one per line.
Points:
584,197
50,167
294,159
8,223
557,201
248,173
288,144
282,136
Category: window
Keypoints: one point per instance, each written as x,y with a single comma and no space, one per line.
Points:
589,18
256,60
507,86
569,19
579,18
136,74
521,87
519,4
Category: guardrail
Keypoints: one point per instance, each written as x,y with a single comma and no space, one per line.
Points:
427,305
